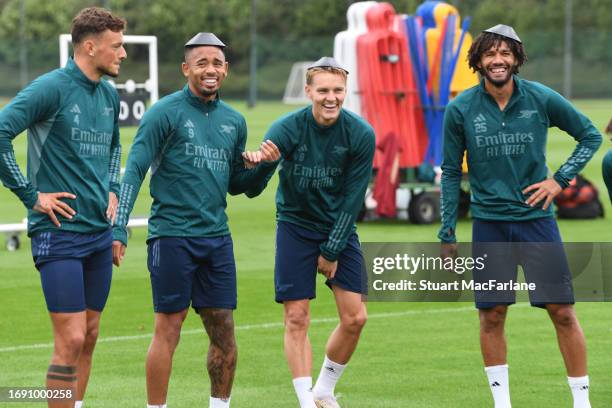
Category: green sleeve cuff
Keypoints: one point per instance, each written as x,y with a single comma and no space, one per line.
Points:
269,164
329,255
120,234
30,199
115,188
447,236
563,182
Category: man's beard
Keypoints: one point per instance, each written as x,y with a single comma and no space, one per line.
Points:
206,92
499,83
104,71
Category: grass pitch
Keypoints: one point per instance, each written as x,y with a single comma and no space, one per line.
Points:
410,355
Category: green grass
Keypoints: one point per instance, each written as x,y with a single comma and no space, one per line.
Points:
415,355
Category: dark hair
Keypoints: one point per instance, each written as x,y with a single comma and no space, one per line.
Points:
485,41
94,20
609,127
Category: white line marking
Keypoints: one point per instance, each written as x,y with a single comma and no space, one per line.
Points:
255,326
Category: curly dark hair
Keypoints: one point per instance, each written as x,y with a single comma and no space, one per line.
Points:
94,20
485,41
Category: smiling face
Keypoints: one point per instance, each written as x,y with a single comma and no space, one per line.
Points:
497,64
327,91
205,69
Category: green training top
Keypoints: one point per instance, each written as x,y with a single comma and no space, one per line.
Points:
506,151
73,146
194,149
324,173
606,165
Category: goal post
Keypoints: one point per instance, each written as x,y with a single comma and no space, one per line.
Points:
294,90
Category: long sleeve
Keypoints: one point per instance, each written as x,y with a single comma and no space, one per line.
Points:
115,158
34,104
284,134
454,147
154,129
357,178
606,167
249,181
563,115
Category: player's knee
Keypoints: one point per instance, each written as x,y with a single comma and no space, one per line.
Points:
493,319
69,348
222,319
297,320
92,334
169,331
90,340
220,327
355,322
171,336
563,316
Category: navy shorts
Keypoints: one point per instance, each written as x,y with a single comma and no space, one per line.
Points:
75,269
297,254
536,246
196,271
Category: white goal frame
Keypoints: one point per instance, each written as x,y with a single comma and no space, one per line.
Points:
294,90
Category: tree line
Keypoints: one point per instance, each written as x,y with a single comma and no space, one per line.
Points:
288,30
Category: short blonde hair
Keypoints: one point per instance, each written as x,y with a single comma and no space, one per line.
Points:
313,71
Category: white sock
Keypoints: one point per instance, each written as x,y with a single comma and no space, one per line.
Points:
303,389
498,382
580,391
219,402
78,404
156,406
328,377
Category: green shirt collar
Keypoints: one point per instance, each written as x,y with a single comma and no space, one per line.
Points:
517,92
198,102
75,73
320,127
